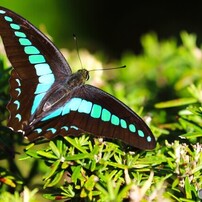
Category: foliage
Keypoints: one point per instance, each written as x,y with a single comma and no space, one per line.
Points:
166,80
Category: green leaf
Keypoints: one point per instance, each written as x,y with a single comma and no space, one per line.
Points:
90,183
47,155
75,144
54,149
176,103
76,173
57,177
52,170
79,156
188,188
32,153
192,135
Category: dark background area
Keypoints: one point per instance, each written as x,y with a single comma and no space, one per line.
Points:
110,26
119,26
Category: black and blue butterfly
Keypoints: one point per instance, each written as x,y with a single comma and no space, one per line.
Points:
47,99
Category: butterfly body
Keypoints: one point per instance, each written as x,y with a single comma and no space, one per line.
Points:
47,99
60,94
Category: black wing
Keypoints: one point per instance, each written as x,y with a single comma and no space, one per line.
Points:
38,67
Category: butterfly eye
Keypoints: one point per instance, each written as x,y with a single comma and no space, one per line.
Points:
84,73
87,76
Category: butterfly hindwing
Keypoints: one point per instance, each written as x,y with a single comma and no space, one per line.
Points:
37,63
19,113
93,111
104,115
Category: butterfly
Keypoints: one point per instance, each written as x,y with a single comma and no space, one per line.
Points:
48,100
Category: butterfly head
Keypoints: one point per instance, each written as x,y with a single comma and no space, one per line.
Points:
84,74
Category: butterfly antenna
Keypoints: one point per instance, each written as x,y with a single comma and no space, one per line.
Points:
77,49
124,66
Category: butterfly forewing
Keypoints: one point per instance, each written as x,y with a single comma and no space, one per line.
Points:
37,63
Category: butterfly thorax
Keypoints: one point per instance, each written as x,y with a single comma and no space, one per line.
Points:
77,79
